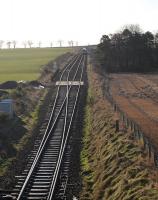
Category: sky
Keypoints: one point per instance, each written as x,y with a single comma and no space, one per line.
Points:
84,21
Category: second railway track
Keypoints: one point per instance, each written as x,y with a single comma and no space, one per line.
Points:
39,179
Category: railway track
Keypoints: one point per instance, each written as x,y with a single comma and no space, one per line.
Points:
41,176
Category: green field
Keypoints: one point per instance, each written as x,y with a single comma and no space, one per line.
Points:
25,64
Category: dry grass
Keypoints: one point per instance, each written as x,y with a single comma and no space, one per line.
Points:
113,167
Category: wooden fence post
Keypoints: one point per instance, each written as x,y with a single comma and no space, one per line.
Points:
127,122
123,117
144,141
155,159
139,136
149,147
135,131
131,124
134,127
117,126
115,107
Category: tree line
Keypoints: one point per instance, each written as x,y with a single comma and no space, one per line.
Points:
30,43
129,50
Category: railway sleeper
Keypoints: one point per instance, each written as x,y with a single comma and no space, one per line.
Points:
41,182
42,173
35,198
48,160
40,196
47,164
40,189
45,170
50,156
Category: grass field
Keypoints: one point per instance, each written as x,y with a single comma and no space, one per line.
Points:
25,64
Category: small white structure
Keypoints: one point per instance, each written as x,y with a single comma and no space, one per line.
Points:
6,106
69,83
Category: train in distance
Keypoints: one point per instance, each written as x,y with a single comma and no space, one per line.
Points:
84,50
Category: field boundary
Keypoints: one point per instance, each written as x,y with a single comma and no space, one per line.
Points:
126,122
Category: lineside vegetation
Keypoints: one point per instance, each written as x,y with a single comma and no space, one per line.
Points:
113,165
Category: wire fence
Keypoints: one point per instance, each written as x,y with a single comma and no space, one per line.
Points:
129,123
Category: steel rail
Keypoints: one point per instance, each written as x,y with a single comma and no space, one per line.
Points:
71,64
47,134
57,94
64,142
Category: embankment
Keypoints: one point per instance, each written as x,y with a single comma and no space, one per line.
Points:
114,167
31,106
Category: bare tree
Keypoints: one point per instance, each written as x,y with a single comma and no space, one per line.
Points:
51,44
9,44
71,43
14,43
25,44
39,44
60,42
30,43
1,43
133,28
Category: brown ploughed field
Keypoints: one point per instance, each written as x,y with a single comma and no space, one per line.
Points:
137,96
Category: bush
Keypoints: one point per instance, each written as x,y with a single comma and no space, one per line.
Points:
3,117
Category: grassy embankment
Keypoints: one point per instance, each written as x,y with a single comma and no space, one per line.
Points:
19,134
16,134
25,64
113,165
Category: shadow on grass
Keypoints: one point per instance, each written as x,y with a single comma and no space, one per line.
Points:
11,131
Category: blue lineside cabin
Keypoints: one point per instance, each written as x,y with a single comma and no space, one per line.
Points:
6,106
